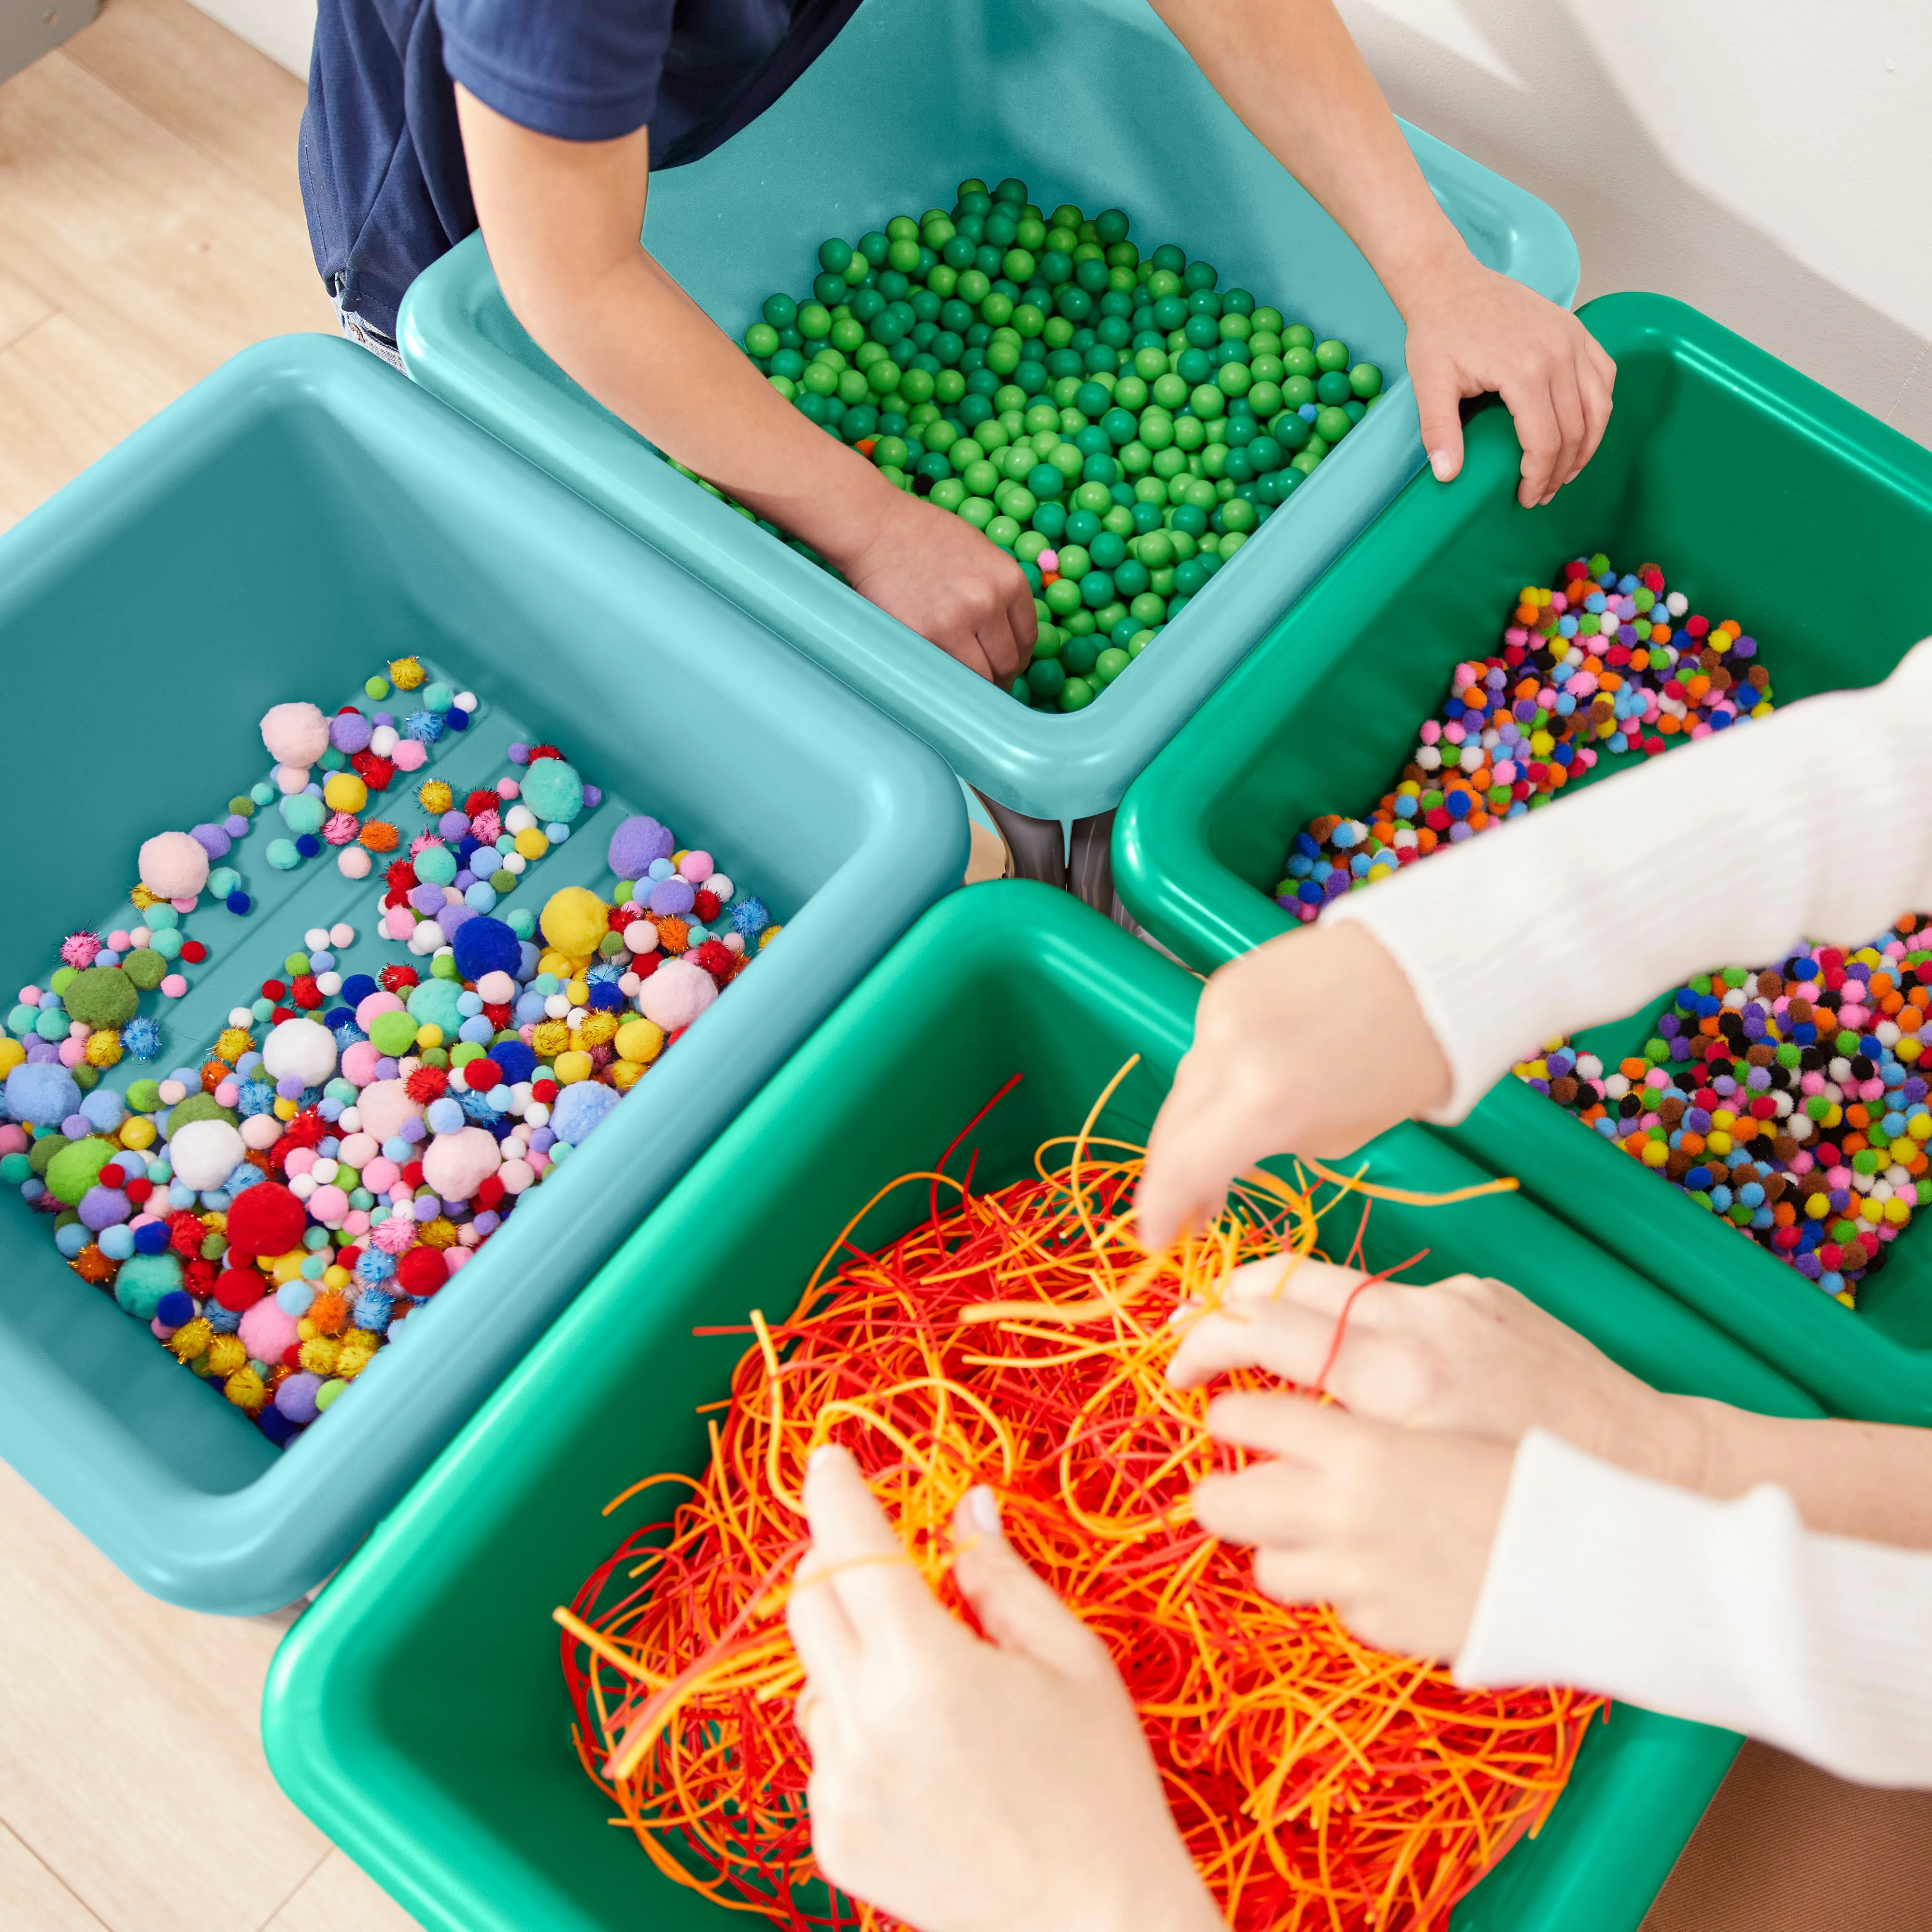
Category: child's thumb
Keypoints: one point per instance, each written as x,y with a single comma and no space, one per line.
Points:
1438,408
1015,1607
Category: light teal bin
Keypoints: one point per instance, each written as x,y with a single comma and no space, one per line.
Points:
418,1713
1093,101
296,520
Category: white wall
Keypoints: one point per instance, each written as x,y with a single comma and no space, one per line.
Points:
1769,161
281,28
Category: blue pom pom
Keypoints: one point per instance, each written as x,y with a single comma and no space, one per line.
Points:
43,1092
175,1308
514,1060
372,1310
477,1109
374,1267
308,845
749,918
485,945
256,1096
356,988
457,719
579,1108
444,1114
275,1425
425,727
151,1239
238,902
606,998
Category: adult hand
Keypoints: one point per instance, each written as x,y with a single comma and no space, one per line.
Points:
1311,1044
940,577
1392,1526
969,1786
1465,1354
1471,330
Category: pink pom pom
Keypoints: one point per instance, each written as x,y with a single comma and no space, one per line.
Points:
352,862
173,865
12,1139
377,1004
359,1063
676,994
409,756
508,788
486,828
174,986
295,734
356,1223
267,1331
341,828
456,1259
380,1175
73,1052
398,922
394,1234
329,1205
299,1161
227,1094
695,868
456,1165
384,1108
78,948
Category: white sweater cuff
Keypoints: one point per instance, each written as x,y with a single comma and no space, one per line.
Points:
1728,1613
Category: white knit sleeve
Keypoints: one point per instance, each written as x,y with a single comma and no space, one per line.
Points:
1814,823
1730,1613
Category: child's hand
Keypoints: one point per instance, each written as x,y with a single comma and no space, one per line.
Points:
1464,1355
1470,330
1311,1044
940,577
1392,1526
963,1785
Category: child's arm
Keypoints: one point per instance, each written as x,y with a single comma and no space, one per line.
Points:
1289,70
561,219
1411,997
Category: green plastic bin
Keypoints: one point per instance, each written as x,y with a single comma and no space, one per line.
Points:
1763,496
1092,99
417,1712
294,520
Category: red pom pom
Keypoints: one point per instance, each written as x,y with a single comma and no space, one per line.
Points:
138,1189
241,1287
544,751
490,1193
374,773
292,1356
264,1219
646,964
620,916
480,801
716,957
193,952
401,875
307,995
273,989
425,1084
186,1234
307,1128
411,1176
349,1256
281,1014
499,1017
480,1076
544,1090
198,1276
1575,568
707,907
421,1271
398,979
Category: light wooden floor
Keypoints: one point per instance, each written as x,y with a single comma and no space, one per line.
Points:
151,225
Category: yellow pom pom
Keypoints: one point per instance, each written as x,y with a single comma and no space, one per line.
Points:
142,898
531,843
103,1047
440,1233
12,1053
318,1356
574,921
597,1029
338,1278
344,791
435,797
225,1354
234,1042
576,990
358,1347
427,1037
286,1110
624,1074
573,1066
640,1041
191,1339
405,673
286,1267
245,1389
548,1038
137,1133
765,938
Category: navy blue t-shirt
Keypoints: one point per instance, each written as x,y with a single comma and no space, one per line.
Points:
382,172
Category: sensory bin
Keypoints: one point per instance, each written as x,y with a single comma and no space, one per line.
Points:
275,1209
1785,1099
1117,421
474,1811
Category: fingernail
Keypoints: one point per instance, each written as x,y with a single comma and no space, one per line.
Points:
826,1452
983,1507
1443,463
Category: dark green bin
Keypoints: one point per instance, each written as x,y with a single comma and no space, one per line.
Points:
417,1713
1764,497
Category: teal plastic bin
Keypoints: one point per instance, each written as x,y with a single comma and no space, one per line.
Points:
293,521
1090,99
417,1712
1763,496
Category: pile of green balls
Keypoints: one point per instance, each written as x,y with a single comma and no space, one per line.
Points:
1120,424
